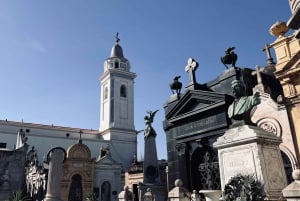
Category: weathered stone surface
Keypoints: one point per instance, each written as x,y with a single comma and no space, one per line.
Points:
55,158
249,150
12,165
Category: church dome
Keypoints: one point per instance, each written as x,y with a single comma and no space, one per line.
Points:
116,51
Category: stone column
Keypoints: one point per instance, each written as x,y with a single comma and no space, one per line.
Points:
55,158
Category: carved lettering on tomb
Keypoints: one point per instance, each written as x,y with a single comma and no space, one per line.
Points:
235,163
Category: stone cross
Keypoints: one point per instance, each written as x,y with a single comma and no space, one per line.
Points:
259,87
191,67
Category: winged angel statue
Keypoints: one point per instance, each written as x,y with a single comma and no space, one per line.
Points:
149,131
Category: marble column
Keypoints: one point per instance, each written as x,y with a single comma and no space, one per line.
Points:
55,158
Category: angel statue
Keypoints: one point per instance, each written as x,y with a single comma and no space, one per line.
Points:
149,131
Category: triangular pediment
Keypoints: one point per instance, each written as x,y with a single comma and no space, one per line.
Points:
194,102
107,160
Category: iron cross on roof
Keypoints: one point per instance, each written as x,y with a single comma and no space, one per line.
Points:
191,67
117,37
80,133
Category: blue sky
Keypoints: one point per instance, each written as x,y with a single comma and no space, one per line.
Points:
52,52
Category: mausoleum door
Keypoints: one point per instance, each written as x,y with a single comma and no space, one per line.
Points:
75,193
105,191
205,169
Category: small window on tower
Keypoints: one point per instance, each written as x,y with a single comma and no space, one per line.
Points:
105,93
123,91
116,64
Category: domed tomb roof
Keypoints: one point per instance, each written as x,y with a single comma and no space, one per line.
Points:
78,151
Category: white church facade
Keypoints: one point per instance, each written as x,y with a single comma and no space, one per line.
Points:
116,133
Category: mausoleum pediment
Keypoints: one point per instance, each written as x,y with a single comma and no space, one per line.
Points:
194,102
107,160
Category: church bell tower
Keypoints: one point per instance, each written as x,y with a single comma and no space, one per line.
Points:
117,106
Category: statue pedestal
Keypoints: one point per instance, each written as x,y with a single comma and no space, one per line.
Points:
249,150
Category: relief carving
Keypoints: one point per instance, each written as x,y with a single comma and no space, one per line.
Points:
271,126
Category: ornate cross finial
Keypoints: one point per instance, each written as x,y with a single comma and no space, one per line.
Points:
117,37
269,57
191,67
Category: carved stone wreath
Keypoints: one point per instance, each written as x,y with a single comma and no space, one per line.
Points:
271,126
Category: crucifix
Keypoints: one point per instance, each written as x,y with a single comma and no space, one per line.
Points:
269,57
117,37
191,68
80,133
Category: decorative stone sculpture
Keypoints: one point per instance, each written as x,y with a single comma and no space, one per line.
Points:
149,131
195,196
151,170
176,86
149,196
179,193
229,58
126,195
239,110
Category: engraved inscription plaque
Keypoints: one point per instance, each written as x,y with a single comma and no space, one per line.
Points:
235,163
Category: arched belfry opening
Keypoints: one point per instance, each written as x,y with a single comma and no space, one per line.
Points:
123,91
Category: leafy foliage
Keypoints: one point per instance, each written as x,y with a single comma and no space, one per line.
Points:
91,197
18,196
243,188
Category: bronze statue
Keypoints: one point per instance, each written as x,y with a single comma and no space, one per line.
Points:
229,58
149,131
176,85
239,110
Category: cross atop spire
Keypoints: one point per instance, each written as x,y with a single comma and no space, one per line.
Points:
117,38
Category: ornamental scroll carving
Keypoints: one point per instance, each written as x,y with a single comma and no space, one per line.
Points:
271,126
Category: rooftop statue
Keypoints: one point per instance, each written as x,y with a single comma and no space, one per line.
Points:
176,85
149,131
239,110
229,58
